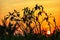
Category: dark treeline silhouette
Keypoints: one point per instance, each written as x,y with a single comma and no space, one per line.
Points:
7,31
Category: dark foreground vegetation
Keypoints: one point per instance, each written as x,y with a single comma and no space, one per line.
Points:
30,37
7,30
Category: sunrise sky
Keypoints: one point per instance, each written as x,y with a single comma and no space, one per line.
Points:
50,6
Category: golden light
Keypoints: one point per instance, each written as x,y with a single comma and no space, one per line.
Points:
48,32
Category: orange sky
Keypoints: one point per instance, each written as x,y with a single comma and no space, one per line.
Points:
50,6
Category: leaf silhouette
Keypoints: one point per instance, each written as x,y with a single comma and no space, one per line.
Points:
41,7
37,7
54,20
11,18
18,15
15,11
5,18
40,13
46,14
9,13
17,19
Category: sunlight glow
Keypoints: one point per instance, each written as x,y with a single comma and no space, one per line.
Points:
48,32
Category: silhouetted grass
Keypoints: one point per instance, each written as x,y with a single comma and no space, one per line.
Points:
27,19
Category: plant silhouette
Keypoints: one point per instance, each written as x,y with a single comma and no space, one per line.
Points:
28,18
